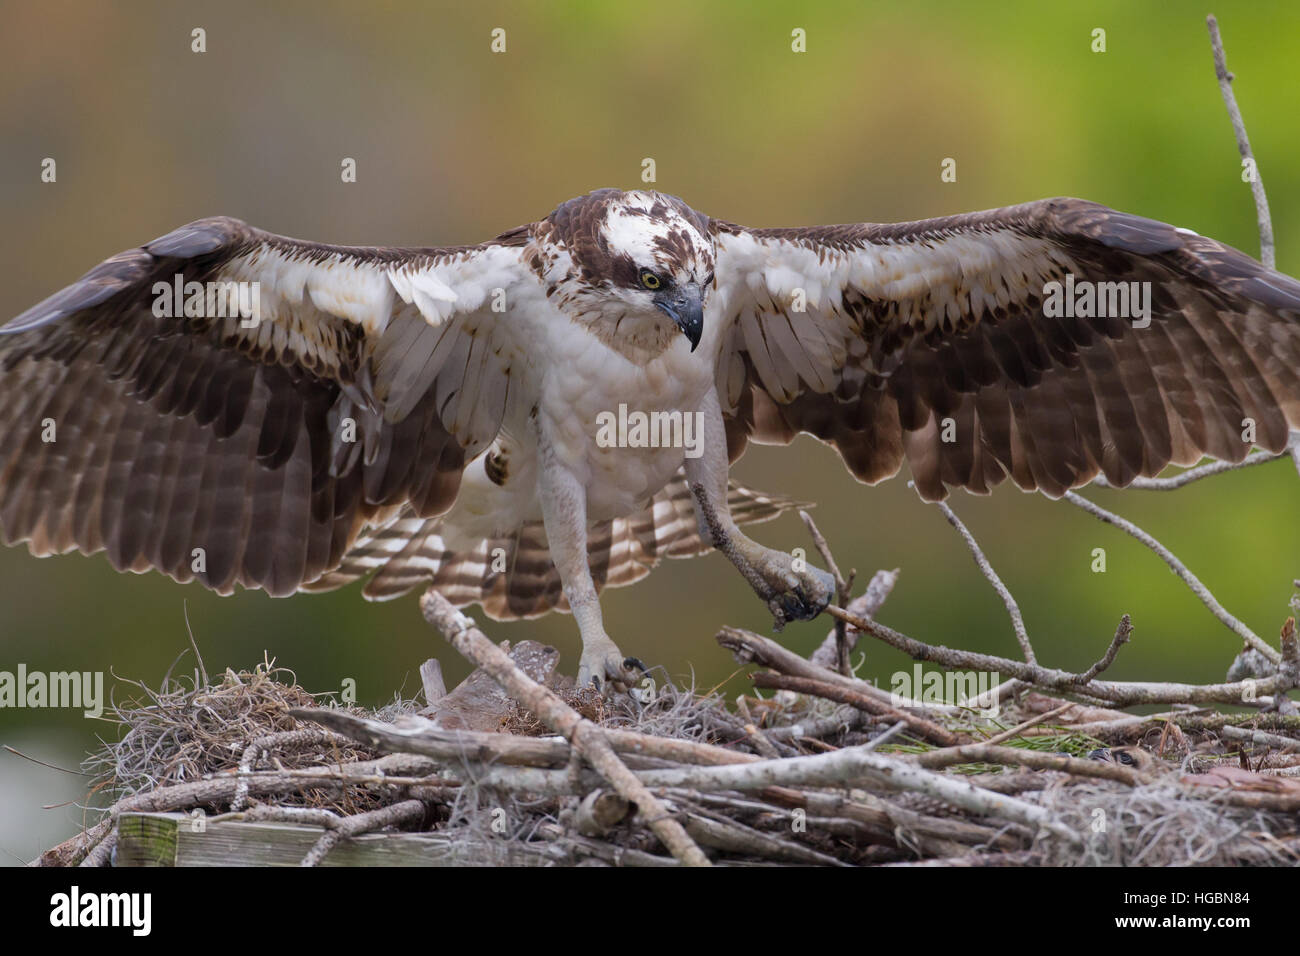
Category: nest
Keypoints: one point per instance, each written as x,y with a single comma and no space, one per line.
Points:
189,734
190,729
517,765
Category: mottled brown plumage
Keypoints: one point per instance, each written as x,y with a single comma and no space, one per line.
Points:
172,431
1050,403
326,440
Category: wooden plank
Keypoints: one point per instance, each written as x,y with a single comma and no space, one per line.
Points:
148,839
171,839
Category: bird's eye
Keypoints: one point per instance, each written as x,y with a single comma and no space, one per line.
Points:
650,280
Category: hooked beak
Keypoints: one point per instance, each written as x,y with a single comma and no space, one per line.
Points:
684,306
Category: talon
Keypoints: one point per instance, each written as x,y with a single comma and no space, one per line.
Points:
794,608
606,668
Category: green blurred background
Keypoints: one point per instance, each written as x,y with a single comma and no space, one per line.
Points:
455,144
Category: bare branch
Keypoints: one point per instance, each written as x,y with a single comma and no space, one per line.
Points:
585,736
1114,692
1266,251
1034,721
1013,609
923,728
1122,634
1035,759
1195,474
854,764
867,604
1191,580
842,591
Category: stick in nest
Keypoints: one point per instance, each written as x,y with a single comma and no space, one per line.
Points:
585,736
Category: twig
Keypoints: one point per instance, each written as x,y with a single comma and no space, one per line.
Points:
748,646
852,764
1193,474
1191,580
585,736
926,729
1009,602
1115,692
867,604
842,591
880,820
260,747
101,854
728,835
1122,633
844,719
72,851
1019,729
765,747
203,671
337,828
418,736
1035,759
1132,727
1266,251
876,742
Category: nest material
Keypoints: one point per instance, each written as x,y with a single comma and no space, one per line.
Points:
828,770
188,731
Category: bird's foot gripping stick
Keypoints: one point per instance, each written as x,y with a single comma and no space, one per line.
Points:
792,589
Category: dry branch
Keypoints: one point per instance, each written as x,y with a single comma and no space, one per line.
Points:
925,729
1191,580
585,736
1013,609
1117,692
864,605
1267,254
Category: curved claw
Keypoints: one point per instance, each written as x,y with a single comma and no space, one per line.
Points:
805,600
605,667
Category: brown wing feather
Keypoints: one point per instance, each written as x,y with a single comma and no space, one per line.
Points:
180,444
942,323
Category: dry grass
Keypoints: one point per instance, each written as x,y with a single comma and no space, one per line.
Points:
188,730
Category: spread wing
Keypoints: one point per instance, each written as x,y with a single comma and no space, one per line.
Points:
242,434
946,343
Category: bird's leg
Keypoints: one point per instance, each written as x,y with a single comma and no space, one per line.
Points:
564,513
792,589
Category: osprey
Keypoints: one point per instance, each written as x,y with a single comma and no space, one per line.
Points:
236,407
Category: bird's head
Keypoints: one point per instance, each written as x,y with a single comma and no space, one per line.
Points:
635,265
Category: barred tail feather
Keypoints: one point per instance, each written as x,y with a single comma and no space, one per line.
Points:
514,577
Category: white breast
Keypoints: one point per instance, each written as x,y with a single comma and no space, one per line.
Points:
593,401
567,384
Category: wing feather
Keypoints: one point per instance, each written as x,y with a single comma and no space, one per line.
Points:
408,551
205,437
954,361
